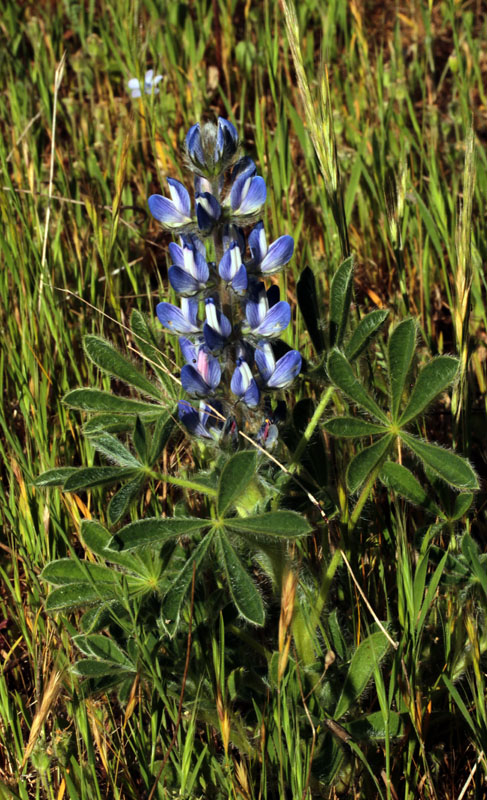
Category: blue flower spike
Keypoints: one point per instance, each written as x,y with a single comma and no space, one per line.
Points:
173,213
280,374
243,384
269,260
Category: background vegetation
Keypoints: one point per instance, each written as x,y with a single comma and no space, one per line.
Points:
79,252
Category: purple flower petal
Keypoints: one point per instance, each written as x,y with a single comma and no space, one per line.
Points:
177,320
240,281
166,212
226,140
194,146
183,283
285,371
189,350
264,358
192,382
176,254
133,83
278,254
230,263
180,197
191,419
257,242
275,321
251,397
208,211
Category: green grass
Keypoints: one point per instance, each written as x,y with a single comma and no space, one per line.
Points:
404,92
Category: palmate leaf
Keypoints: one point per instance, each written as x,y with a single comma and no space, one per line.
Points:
340,297
433,379
341,374
453,469
104,355
402,342
242,588
367,327
366,461
352,427
235,477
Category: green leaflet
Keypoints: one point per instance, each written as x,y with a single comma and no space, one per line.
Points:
452,468
366,461
87,477
145,341
79,595
353,427
340,297
242,588
366,658
364,331
282,524
235,477
67,570
112,448
97,538
402,342
433,379
402,481
104,355
341,374
310,309
96,400
178,589
55,477
98,646
155,530
120,502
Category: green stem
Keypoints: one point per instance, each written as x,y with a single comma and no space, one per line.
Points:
364,495
310,428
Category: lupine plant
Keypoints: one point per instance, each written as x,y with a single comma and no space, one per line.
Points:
228,322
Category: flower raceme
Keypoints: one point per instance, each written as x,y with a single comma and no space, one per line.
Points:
148,87
226,319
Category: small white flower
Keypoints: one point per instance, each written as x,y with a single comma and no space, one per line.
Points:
150,84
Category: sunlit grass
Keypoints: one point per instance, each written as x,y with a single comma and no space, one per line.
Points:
404,93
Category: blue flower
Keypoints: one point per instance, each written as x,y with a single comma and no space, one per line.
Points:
208,211
243,384
231,269
269,259
179,320
217,328
172,213
210,147
150,84
266,316
248,193
202,372
205,422
189,273
280,374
